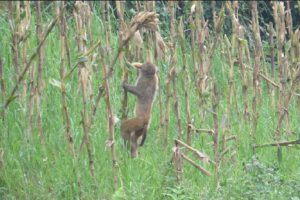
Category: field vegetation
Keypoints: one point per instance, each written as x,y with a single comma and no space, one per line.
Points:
225,123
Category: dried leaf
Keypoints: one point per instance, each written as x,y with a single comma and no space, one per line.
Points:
54,82
94,58
201,156
161,47
115,120
193,8
137,39
175,150
85,79
109,143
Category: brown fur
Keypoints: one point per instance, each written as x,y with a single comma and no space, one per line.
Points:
145,90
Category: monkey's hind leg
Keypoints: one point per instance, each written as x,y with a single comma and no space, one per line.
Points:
134,125
126,131
134,143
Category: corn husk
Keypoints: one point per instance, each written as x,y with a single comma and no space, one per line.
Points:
161,47
144,19
137,39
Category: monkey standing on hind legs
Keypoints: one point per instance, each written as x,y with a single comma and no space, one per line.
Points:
145,90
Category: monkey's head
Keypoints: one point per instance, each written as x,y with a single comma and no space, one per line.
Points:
147,68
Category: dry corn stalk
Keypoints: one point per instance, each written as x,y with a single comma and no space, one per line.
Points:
84,79
24,25
144,19
160,50
215,103
66,119
272,64
110,142
275,144
256,66
234,22
167,113
278,10
174,76
14,28
231,78
2,79
88,13
243,72
88,143
285,108
31,102
173,61
109,24
161,47
12,97
186,81
137,39
199,155
41,63
122,28
201,130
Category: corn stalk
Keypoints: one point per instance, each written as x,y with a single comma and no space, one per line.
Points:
159,54
109,24
241,47
88,19
105,30
144,19
295,79
41,52
122,28
12,97
169,79
24,25
256,66
201,57
181,39
272,64
174,76
31,107
2,79
66,119
215,103
230,9
41,61
14,25
84,77
111,140
279,27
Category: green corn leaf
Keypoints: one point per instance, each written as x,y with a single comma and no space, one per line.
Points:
223,120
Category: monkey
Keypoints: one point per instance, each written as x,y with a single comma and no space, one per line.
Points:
145,91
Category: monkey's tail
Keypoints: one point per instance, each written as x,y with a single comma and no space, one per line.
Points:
144,136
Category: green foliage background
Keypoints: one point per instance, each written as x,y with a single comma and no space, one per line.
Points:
150,176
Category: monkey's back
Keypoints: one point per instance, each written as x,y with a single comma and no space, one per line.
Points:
144,102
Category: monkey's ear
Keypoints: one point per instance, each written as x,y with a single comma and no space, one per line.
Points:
137,65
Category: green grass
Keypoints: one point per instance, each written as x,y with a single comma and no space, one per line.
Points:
150,176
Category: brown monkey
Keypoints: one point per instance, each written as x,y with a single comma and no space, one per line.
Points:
145,90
